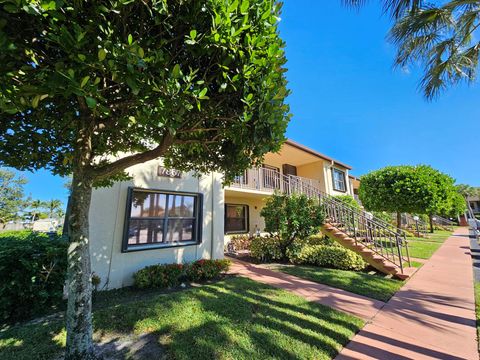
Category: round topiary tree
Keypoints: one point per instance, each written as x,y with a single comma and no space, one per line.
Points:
411,189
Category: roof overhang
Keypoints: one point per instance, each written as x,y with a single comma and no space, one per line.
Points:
316,153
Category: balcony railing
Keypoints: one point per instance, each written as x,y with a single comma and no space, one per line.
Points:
269,180
381,237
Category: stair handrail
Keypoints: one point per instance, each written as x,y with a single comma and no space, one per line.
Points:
396,237
448,224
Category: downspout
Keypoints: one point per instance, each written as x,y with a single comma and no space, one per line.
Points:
213,217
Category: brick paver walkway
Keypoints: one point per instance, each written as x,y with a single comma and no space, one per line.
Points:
342,300
431,317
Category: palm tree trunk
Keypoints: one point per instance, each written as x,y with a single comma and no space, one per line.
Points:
79,310
399,220
430,218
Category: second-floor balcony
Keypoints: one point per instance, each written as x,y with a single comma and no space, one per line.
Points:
269,180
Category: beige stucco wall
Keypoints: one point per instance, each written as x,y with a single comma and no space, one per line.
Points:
107,216
328,169
314,171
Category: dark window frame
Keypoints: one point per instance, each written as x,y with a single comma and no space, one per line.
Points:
247,220
197,225
344,180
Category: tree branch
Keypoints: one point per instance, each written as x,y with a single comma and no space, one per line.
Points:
123,163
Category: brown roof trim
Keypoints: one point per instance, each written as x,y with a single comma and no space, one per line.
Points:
316,153
353,177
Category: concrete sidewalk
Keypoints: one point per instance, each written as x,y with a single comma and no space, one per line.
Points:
339,299
431,317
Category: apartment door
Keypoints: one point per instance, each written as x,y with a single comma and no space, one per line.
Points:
288,182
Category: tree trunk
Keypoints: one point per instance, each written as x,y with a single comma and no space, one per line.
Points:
399,220
79,311
430,218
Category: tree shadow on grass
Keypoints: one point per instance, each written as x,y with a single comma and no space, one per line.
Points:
236,318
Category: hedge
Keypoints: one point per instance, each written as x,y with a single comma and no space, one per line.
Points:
329,256
171,275
266,248
33,268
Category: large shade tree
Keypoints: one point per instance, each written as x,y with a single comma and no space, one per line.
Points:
90,88
440,36
409,189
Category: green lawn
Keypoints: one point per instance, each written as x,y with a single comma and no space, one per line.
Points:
375,286
423,248
236,318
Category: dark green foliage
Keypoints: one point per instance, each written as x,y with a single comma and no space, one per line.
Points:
290,217
297,245
266,248
328,256
206,79
171,275
159,276
33,268
202,270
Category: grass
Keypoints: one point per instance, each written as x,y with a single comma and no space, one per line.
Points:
424,248
374,286
236,318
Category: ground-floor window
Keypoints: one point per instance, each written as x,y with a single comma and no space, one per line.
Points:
236,218
156,218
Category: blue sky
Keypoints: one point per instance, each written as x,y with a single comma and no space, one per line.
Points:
349,103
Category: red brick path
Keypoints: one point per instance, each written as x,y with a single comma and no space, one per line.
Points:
431,317
342,300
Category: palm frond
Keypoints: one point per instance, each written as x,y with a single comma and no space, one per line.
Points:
396,8
441,39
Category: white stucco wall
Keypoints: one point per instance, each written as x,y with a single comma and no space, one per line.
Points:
107,217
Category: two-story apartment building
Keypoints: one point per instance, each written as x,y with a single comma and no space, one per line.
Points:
165,216
293,169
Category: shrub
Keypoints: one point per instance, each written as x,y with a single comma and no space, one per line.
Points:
292,216
159,276
266,248
17,234
240,242
171,275
202,270
348,200
320,240
33,268
297,245
329,256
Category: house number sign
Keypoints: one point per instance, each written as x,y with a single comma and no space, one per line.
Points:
171,173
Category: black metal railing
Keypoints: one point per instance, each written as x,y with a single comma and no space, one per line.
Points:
414,224
381,237
442,222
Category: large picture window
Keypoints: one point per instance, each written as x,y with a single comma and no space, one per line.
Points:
339,183
236,218
157,219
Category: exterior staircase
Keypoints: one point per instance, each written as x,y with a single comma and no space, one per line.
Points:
378,242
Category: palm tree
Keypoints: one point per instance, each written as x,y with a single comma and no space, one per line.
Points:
36,205
439,35
53,206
